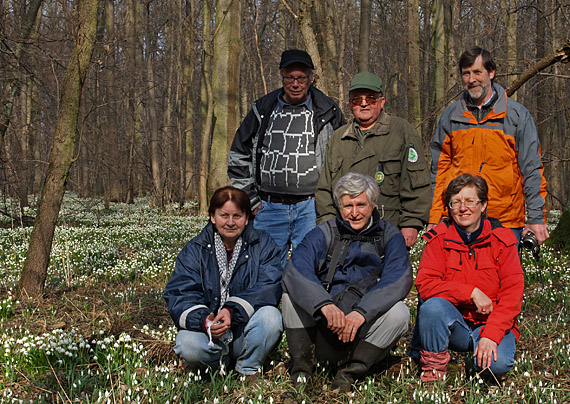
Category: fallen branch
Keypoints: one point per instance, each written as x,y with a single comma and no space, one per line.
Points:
561,55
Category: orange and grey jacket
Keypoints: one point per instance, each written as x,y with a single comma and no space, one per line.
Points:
503,148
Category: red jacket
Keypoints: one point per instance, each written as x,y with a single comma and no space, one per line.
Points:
451,269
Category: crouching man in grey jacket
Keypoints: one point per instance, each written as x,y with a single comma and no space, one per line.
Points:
368,257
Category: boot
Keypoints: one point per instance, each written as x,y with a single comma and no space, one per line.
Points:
361,359
433,365
301,342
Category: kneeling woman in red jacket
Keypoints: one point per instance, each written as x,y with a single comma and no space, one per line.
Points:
471,283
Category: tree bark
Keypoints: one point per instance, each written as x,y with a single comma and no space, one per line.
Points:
187,165
310,39
33,276
225,88
13,87
364,38
440,52
510,18
207,110
156,145
413,89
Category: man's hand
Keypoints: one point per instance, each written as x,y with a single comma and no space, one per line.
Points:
410,234
482,301
430,226
352,322
539,230
222,322
485,352
335,318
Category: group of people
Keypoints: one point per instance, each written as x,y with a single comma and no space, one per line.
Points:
320,219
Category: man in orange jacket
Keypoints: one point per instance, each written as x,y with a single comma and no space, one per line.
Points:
488,134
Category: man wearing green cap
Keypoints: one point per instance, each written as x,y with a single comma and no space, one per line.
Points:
385,147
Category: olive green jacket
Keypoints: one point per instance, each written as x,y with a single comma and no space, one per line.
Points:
393,154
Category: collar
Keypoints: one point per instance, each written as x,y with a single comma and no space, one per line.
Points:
470,238
487,104
308,103
381,127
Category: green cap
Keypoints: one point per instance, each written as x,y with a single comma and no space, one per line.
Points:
366,80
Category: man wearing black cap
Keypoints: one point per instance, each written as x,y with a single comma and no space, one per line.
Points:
385,147
279,149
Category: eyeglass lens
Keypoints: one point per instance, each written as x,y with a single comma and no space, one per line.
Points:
291,79
369,100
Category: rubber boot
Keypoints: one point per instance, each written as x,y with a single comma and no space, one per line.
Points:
361,359
433,365
301,342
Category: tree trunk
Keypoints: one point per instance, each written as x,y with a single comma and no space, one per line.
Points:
542,103
440,53
310,39
13,87
508,8
225,88
364,38
156,146
187,165
33,276
327,21
413,90
112,148
207,110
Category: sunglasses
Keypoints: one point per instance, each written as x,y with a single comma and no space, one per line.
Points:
370,100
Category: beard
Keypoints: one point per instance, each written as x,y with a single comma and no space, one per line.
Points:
478,94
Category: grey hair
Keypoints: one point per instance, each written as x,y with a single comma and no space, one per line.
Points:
353,184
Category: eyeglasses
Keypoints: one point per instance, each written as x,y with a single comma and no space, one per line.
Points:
300,79
470,203
370,100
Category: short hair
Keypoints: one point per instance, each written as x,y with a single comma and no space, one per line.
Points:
468,57
467,180
353,184
229,193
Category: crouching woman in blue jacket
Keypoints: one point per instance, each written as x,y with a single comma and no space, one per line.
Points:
225,288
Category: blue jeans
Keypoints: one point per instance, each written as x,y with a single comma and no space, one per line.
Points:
261,334
286,223
441,326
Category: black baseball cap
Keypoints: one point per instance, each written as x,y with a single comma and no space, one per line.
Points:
295,56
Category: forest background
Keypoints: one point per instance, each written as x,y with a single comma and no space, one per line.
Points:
119,99
170,81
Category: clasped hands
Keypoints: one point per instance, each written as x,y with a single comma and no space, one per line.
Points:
344,325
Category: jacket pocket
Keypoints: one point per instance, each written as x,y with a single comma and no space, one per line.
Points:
392,170
419,176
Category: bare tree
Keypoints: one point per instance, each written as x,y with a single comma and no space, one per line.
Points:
364,37
33,276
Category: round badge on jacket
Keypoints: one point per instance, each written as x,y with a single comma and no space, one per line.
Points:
379,177
412,155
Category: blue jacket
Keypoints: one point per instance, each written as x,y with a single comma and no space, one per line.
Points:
303,275
193,290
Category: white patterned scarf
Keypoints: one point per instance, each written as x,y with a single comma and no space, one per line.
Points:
226,270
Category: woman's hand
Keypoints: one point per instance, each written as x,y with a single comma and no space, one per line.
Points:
482,301
221,323
486,352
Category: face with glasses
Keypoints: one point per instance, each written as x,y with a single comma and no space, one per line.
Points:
466,209
297,79
366,106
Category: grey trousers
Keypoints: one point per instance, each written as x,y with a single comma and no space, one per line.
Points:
385,331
